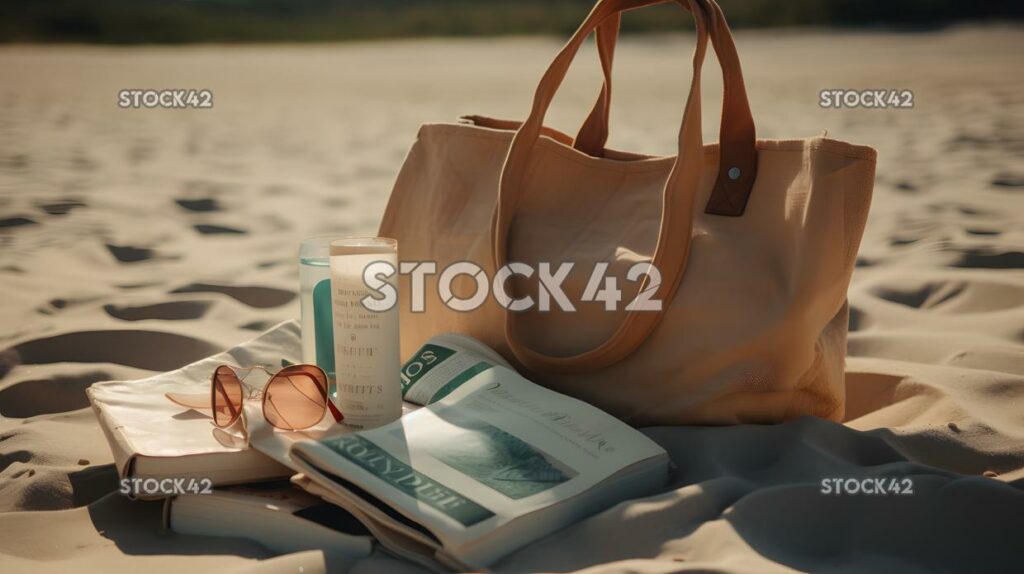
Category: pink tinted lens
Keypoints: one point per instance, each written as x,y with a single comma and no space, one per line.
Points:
227,396
296,398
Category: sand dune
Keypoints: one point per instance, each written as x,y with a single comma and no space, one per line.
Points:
136,241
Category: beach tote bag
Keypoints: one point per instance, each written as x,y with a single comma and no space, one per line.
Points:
732,259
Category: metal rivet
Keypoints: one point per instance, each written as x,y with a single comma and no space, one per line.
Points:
734,173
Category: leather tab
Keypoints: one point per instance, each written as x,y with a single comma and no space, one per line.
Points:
737,157
729,196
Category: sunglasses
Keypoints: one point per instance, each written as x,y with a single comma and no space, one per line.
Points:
295,397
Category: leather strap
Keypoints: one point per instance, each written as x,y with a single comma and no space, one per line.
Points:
674,235
593,134
737,134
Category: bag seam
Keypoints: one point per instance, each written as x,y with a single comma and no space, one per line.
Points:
651,162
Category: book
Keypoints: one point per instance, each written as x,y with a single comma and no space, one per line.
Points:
278,515
490,462
154,438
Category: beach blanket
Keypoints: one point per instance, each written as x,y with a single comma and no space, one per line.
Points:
900,486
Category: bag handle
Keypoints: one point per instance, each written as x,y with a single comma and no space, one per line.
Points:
674,234
593,133
737,133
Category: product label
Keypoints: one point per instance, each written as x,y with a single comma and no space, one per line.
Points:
366,347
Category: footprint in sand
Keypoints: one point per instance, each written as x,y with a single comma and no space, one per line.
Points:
1008,181
953,296
219,230
901,241
984,232
58,394
905,187
864,262
141,285
958,207
171,311
151,350
253,296
16,222
130,254
990,259
61,207
202,205
925,296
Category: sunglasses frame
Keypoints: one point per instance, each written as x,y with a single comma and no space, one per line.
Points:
250,392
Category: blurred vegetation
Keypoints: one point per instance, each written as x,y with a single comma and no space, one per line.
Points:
183,21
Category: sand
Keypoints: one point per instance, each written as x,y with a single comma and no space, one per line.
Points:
136,241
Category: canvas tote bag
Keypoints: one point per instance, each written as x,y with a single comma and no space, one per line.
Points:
753,242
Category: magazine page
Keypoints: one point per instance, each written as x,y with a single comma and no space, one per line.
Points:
442,364
495,447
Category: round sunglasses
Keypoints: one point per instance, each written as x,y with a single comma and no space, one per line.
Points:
295,397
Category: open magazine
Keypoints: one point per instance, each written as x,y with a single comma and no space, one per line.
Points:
490,463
